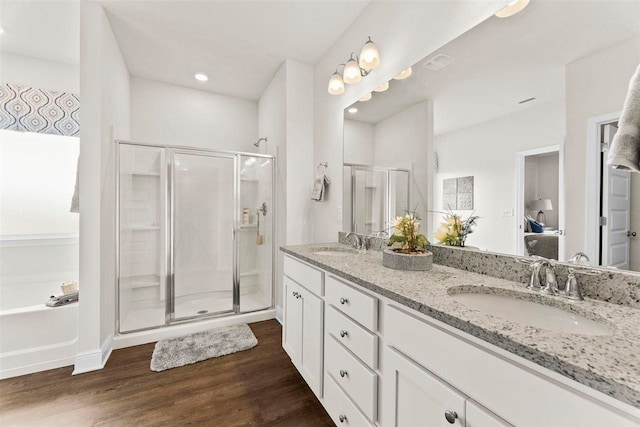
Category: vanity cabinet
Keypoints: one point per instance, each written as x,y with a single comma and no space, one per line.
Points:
302,335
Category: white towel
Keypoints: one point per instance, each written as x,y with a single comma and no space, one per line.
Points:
624,152
75,200
319,187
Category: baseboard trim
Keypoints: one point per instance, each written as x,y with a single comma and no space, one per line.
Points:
279,317
93,360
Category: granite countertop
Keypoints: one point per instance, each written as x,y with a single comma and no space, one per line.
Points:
607,363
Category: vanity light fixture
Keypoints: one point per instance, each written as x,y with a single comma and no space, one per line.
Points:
352,110
365,98
201,77
384,86
512,8
356,68
404,74
336,83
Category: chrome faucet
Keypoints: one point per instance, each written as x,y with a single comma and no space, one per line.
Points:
550,280
579,258
358,239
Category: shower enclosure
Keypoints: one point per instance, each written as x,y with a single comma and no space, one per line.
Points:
195,234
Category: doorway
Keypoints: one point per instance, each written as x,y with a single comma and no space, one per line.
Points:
540,196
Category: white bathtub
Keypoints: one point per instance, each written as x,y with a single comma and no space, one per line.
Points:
34,337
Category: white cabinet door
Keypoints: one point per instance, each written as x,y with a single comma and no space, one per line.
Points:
311,356
479,416
415,397
292,329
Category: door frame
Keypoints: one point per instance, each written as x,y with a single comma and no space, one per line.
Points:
594,181
520,202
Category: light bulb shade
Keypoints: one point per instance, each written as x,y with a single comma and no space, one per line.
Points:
369,56
404,74
366,97
336,85
384,86
351,73
512,8
541,205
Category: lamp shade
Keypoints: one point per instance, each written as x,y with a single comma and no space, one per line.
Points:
351,72
365,98
369,56
336,85
541,205
512,8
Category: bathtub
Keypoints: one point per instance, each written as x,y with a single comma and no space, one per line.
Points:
34,337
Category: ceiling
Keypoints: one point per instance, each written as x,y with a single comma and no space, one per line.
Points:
239,44
42,29
503,61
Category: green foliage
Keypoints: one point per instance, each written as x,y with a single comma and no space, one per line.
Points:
406,234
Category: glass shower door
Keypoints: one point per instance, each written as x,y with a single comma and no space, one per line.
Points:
255,233
203,196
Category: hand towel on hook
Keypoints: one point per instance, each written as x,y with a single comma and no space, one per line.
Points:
319,187
624,152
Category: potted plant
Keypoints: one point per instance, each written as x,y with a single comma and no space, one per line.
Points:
410,252
453,231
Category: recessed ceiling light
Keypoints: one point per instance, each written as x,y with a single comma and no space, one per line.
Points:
365,98
201,77
384,86
352,110
512,8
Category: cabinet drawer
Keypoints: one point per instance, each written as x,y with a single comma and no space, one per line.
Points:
304,275
360,341
359,306
342,410
359,382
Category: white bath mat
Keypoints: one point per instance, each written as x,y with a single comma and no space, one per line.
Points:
175,352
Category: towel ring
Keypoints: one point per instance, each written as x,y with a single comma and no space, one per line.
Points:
322,165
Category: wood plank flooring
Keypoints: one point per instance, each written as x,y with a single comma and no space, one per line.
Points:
258,387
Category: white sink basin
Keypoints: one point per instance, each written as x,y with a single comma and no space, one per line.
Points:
335,252
532,314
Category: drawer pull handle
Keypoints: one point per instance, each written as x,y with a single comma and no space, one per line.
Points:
343,301
295,294
299,296
450,416
344,333
342,418
343,373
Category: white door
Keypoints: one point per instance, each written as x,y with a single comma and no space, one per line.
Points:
311,356
414,396
616,204
292,330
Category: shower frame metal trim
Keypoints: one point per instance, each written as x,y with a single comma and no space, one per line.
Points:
168,241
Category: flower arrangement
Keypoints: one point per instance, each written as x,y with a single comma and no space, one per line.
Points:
407,234
454,230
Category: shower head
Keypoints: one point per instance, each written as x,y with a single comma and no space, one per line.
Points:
257,143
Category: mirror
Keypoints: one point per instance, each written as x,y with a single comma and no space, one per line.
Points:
508,121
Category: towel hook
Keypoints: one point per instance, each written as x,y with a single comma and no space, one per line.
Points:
322,165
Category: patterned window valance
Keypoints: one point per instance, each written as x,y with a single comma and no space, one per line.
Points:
29,109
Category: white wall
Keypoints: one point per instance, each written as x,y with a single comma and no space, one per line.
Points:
596,85
405,141
488,152
272,123
167,114
404,33
285,117
39,73
104,116
358,142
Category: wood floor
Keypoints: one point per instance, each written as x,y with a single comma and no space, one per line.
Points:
256,387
